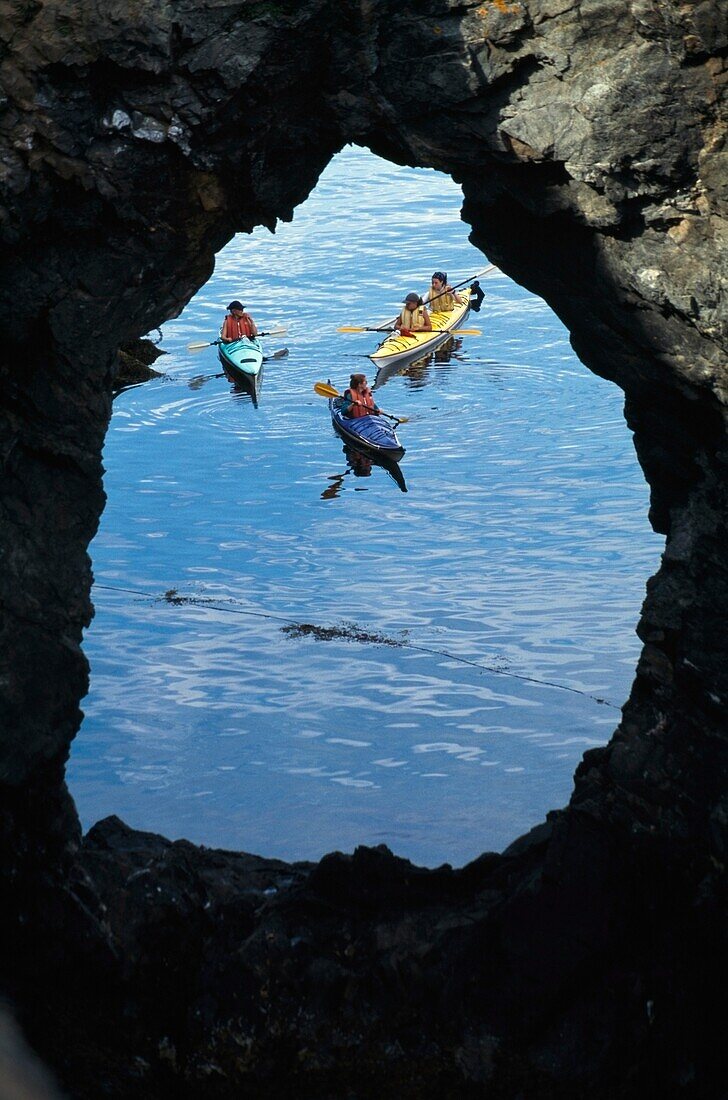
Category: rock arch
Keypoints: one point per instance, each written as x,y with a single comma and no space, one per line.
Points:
589,141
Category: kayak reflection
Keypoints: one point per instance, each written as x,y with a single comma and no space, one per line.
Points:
238,386
360,464
249,386
417,374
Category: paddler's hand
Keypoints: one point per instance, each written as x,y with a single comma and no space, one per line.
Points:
406,332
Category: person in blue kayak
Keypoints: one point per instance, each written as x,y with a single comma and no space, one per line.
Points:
358,399
441,295
414,317
237,324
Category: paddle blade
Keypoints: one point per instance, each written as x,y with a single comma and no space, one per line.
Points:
280,354
324,390
199,346
466,332
351,328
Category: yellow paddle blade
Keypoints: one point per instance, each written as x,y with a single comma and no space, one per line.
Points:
323,390
466,332
351,328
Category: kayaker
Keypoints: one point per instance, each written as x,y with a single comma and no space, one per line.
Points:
441,295
237,324
414,317
358,399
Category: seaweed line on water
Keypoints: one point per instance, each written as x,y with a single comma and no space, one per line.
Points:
346,631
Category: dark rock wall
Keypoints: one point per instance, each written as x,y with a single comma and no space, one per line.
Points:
589,139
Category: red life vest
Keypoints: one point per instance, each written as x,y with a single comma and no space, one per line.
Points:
234,328
357,410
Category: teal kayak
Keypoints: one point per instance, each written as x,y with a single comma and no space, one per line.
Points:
242,361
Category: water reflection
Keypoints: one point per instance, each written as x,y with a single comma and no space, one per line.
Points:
360,464
199,380
246,385
239,388
418,374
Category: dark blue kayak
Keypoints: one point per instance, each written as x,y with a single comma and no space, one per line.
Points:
372,433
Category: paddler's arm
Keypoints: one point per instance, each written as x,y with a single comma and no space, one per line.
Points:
253,326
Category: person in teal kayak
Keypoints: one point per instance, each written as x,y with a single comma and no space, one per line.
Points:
358,399
237,324
414,317
441,296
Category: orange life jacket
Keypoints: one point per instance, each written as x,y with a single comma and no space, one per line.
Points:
357,410
234,328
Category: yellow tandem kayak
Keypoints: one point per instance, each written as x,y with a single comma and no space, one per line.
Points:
402,349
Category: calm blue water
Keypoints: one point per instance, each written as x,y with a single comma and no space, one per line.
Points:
515,561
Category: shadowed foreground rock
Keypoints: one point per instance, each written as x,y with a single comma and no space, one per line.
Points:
568,966
589,139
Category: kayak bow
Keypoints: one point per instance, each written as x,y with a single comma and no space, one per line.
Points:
371,432
242,361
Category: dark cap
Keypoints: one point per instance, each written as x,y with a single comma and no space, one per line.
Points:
412,298
236,305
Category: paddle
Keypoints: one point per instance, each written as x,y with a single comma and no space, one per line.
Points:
464,332
325,390
195,383
451,332
280,354
490,267
214,343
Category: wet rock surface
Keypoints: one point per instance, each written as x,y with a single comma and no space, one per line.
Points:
589,139
135,364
